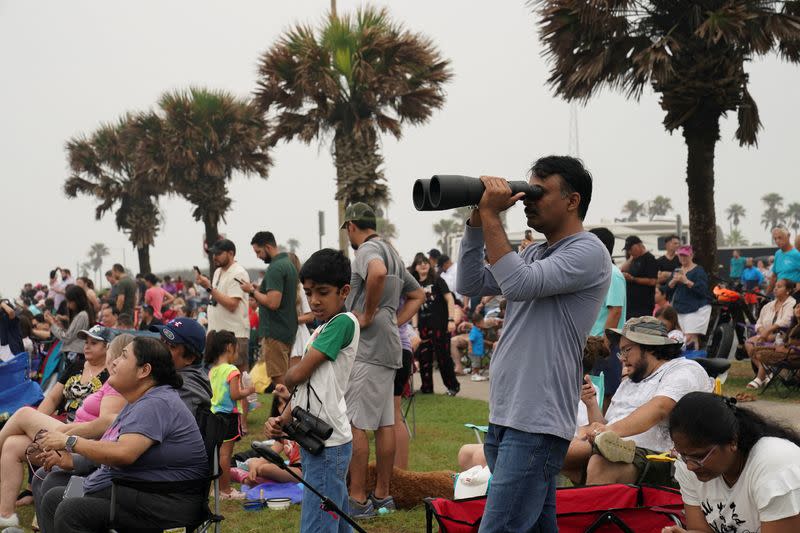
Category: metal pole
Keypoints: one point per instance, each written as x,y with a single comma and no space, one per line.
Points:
679,228
333,8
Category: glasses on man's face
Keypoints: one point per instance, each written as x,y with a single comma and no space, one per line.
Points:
694,462
624,352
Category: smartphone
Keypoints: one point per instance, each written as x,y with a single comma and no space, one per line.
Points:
197,269
237,280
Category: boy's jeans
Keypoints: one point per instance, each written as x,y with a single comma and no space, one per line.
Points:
325,472
522,493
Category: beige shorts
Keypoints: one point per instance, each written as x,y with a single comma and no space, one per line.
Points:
275,355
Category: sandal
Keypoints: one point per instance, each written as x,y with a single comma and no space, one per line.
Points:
755,384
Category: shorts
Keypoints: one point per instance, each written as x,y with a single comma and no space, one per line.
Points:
275,355
242,359
403,373
653,472
232,428
771,357
369,398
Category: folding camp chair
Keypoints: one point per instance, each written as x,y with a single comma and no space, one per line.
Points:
408,404
785,373
601,508
212,427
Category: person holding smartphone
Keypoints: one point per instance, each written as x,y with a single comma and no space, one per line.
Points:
227,308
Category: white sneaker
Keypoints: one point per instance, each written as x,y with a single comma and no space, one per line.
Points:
9,521
478,377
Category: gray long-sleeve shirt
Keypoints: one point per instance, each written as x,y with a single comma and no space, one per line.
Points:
554,294
69,336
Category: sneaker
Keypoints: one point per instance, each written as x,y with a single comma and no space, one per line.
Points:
233,494
386,503
478,377
614,448
362,511
9,521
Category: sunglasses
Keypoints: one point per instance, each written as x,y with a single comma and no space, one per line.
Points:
688,460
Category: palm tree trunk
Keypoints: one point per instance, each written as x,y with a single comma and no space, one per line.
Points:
144,259
358,176
212,236
701,134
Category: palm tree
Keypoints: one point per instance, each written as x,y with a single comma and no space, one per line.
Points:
97,252
735,212
772,215
350,80
104,165
659,206
736,239
792,216
634,209
444,228
202,138
692,52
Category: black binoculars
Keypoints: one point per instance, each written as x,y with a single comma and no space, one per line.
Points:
307,430
448,192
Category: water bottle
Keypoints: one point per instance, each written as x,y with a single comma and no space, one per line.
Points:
252,399
779,339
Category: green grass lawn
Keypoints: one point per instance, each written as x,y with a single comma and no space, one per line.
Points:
440,432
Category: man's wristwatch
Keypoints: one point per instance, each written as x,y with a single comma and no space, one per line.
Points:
72,440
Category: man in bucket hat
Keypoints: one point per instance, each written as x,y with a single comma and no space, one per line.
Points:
613,448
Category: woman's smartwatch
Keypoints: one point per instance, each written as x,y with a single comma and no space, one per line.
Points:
72,440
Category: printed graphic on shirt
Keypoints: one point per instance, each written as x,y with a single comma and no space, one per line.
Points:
723,518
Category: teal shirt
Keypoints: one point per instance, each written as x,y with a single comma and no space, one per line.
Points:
737,267
787,265
614,298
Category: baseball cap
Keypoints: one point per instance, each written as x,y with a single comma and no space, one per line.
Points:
223,245
184,331
686,249
631,241
433,252
358,212
646,330
98,332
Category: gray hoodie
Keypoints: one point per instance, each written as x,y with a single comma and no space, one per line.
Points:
196,390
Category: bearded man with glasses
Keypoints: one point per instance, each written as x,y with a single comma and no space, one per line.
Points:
614,448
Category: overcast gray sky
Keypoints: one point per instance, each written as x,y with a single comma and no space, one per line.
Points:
69,66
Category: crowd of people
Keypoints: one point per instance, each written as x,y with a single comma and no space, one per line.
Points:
548,324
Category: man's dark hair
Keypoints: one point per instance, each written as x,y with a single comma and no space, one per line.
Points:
606,237
118,268
444,258
434,254
264,238
109,273
124,320
666,352
670,237
327,266
574,177
365,224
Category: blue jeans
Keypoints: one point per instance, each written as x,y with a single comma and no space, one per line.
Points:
326,472
522,493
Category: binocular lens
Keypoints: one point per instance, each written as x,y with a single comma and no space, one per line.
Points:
449,192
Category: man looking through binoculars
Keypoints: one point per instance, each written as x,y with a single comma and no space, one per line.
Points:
554,292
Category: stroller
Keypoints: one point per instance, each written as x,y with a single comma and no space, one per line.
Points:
595,509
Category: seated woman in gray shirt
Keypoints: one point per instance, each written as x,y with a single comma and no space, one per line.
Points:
154,438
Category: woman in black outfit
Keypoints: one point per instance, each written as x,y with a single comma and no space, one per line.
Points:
435,322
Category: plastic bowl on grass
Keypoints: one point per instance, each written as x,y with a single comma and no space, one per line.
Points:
279,504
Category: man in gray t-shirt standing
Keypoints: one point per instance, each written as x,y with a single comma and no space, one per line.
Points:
554,292
378,280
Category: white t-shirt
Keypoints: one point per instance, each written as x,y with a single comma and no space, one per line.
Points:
300,340
583,413
768,489
329,381
449,277
673,379
220,318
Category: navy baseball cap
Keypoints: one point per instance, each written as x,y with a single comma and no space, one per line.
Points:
184,331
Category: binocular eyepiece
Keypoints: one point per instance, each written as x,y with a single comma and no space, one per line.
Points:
448,192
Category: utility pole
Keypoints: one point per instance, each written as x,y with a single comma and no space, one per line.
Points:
321,215
333,8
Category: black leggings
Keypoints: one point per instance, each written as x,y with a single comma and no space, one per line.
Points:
436,345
